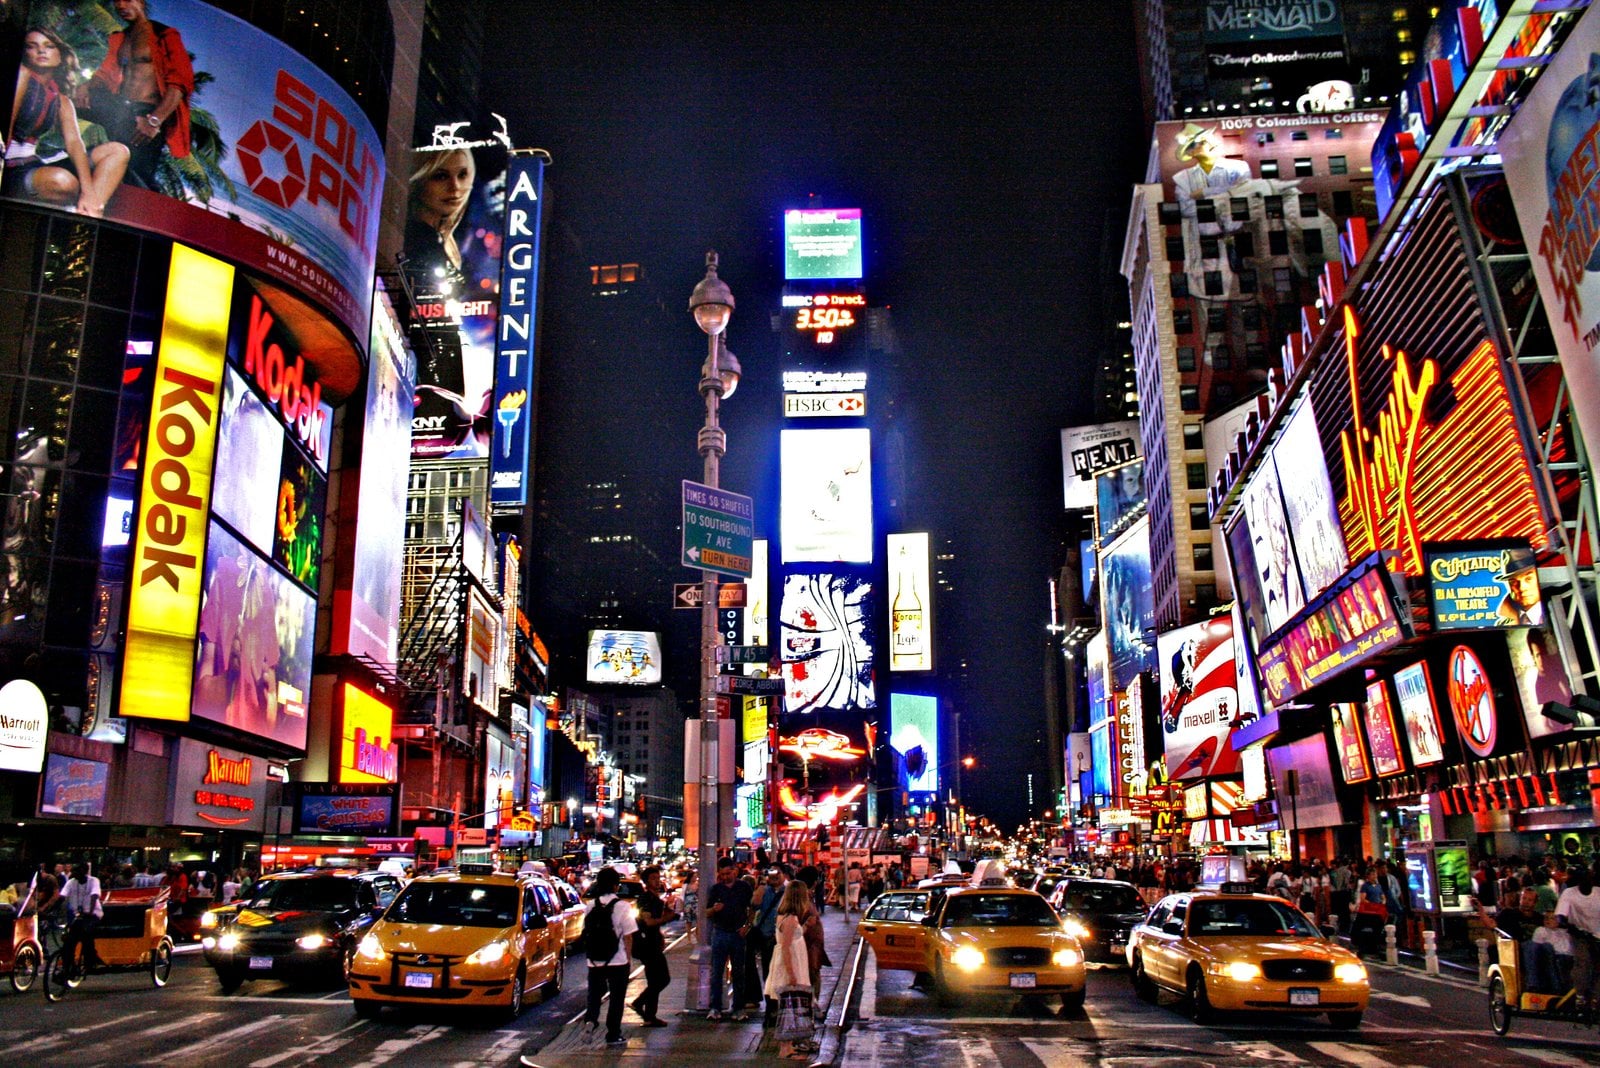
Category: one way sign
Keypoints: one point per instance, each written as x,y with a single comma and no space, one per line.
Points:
692,595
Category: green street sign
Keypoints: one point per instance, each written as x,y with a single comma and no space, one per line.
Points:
718,529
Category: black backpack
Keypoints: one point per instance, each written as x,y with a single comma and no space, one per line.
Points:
600,941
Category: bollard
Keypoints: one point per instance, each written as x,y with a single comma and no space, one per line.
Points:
1391,952
1483,962
1430,952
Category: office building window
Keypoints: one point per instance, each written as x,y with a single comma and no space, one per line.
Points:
1274,206
1202,555
1255,354
1297,135
1216,318
1180,284
1269,168
1240,208
1278,242
1195,476
1264,137
1308,205
1182,321
1283,282
1213,280
1199,517
1333,133
1210,248
1168,213
1247,280
1245,245
1186,358
1205,211
1175,249
1222,358
1189,398
1250,315
1313,240
1338,165
1344,202
1302,168
1193,436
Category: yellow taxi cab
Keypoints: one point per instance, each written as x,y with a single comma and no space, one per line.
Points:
1230,950
469,937
572,912
983,938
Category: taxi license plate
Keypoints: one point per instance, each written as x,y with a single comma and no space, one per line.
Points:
260,963
1304,996
422,979
1024,980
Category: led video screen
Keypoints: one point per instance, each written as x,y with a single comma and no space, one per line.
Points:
630,657
914,735
826,487
826,642
822,244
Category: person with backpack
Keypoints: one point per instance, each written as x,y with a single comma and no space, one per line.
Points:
608,931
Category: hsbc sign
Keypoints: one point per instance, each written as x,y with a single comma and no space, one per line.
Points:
825,404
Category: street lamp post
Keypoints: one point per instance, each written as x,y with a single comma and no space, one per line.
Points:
711,304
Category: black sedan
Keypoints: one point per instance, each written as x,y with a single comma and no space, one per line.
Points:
299,927
1100,913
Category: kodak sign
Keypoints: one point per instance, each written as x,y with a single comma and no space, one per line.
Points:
169,538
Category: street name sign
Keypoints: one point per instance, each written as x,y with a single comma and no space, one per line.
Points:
718,529
749,686
743,654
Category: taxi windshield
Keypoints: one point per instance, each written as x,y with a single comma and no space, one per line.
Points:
312,895
1247,916
458,904
998,910
1103,899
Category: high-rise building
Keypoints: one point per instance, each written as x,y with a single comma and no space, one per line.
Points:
1230,57
1226,236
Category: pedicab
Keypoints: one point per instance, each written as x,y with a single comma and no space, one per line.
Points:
130,937
22,956
1510,998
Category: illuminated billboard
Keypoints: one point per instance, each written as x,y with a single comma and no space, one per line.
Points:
911,606
757,608
1419,714
826,487
1199,699
1088,450
825,640
499,777
267,162
1544,670
1119,499
251,664
1314,802
1128,602
169,544
249,461
1383,742
1101,725
825,318
367,749
914,735
366,614
512,433
631,657
1348,747
821,244
215,787
1350,623
1483,587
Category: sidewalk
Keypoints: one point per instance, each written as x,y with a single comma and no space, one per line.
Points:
690,1039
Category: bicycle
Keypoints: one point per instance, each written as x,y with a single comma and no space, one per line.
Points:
60,974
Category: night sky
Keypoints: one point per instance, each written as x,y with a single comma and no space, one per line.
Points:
991,150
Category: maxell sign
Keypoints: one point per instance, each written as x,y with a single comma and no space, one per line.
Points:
1088,450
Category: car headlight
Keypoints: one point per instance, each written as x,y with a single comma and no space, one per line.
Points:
1350,972
967,959
208,942
487,954
1066,958
1075,929
311,941
1241,971
228,941
208,919
370,949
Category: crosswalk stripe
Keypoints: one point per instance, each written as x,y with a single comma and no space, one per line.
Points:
197,1051
388,1051
56,1039
322,1047
1550,1056
1265,1052
1345,1053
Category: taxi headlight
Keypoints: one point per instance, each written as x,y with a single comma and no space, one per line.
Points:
208,942
370,949
229,942
311,941
1350,972
1241,971
1075,929
208,919
967,959
1066,958
488,954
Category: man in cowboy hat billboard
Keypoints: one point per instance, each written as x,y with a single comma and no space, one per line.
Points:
1521,606
1212,173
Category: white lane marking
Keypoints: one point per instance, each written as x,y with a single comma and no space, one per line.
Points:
263,999
388,1051
1550,1056
48,1041
869,986
1345,1053
873,1049
1265,1052
1403,999
322,1047
976,1055
196,1051
508,1046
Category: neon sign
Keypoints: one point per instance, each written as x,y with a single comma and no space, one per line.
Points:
1413,476
819,810
818,743
1472,701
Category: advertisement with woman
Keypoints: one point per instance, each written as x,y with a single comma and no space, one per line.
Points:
158,125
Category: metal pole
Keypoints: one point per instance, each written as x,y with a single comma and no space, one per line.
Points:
712,443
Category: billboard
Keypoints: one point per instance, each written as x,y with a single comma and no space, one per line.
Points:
480,679
1319,547
1291,44
1489,586
1199,699
512,434
826,487
753,736
757,609
1548,152
1119,499
175,490
825,639
631,657
366,614
1088,450
251,664
911,609
266,162
330,808
1348,747
1313,802
73,787
216,787
821,244
24,721
914,735
368,752
1350,623
249,463
1128,603
1419,714
1377,716
499,777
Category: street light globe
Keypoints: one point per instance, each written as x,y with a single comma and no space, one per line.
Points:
711,303
728,369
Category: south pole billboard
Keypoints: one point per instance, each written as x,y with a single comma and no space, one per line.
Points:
1548,152
512,432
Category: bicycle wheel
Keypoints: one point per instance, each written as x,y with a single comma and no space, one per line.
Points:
63,973
25,967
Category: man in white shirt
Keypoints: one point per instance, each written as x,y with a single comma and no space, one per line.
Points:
84,908
1578,910
608,974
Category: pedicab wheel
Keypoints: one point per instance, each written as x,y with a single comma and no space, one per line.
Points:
25,968
161,965
1499,1010
62,975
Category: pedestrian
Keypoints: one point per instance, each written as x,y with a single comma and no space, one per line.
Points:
728,912
875,883
230,887
1366,926
608,943
764,929
789,979
691,904
852,888
1578,910
1340,881
650,946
